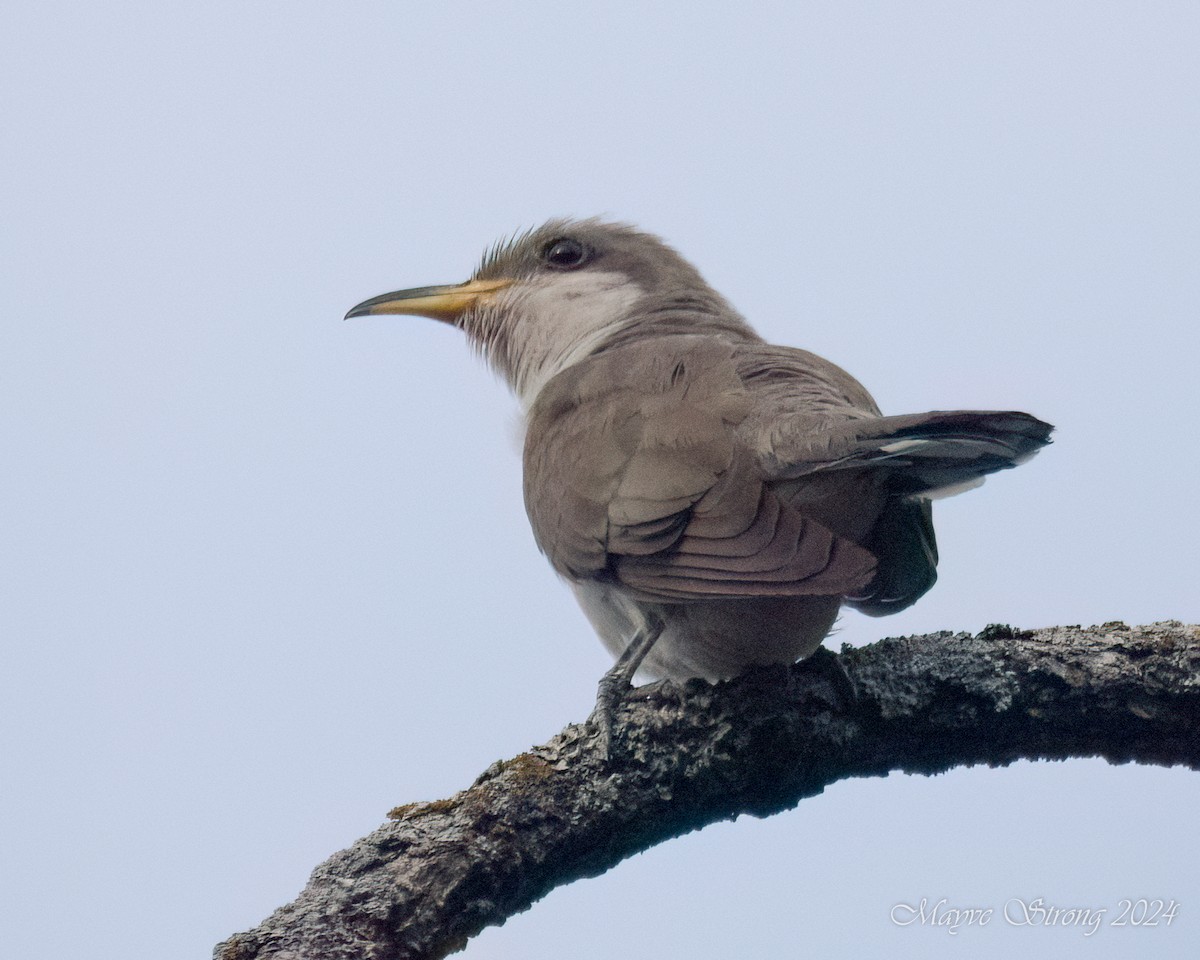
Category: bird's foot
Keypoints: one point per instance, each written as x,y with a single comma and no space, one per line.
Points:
609,694
616,683
825,663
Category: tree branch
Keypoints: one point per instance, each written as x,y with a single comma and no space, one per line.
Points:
685,756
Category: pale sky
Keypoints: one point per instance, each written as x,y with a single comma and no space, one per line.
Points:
266,574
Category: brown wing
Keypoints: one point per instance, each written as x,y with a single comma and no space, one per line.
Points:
836,458
634,471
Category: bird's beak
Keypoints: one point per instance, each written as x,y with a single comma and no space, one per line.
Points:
446,303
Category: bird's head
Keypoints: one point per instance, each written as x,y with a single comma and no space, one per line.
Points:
548,298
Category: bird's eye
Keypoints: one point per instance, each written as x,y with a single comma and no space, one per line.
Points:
565,254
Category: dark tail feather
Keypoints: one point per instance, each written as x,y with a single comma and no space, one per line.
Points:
906,549
939,453
929,455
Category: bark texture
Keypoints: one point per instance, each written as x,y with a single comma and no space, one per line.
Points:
685,756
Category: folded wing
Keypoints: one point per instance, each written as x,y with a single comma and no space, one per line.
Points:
635,471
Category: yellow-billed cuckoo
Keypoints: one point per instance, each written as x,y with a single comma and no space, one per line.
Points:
711,498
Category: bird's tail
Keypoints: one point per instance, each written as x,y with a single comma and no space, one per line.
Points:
931,455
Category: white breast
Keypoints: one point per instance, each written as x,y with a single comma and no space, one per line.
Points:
560,320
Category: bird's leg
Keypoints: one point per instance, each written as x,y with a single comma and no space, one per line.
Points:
617,681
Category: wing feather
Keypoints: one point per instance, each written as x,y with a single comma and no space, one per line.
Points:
634,470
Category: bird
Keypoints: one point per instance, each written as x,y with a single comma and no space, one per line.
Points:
712,499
